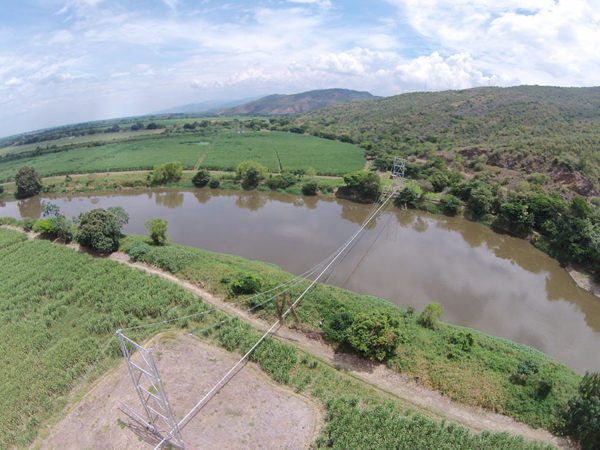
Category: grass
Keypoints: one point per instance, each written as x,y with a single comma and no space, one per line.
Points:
220,150
480,375
58,307
295,152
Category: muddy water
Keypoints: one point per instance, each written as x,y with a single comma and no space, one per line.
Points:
484,280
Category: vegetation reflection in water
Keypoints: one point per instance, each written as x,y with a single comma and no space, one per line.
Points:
484,280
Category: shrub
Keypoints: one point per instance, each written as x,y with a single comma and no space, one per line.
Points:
214,183
450,204
281,181
250,173
28,223
246,284
1,189
138,250
201,178
28,182
157,230
431,315
63,228
99,230
409,196
310,188
582,416
481,200
44,227
374,335
362,185
336,328
166,173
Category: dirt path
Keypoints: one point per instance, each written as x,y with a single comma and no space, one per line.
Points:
251,412
377,375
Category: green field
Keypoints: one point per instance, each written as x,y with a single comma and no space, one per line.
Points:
295,152
221,151
59,307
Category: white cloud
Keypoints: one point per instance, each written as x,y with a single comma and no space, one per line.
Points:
14,81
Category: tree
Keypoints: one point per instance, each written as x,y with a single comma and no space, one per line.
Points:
582,416
166,173
28,182
450,204
374,335
364,186
409,196
310,188
431,315
99,230
201,178
439,180
481,200
515,217
251,173
157,230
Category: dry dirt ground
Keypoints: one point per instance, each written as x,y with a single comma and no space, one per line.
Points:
251,411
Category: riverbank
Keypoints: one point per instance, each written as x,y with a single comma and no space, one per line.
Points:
134,298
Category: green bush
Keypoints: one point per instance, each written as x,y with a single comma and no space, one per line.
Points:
364,186
63,228
374,335
1,189
310,188
201,178
282,181
99,230
246,284
157,230
450,204
582,416
28,182
44,227
336,328
409,196
138,250
28,223
250,173
166,173
214,183
431,315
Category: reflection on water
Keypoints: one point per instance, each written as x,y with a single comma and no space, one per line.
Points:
484,280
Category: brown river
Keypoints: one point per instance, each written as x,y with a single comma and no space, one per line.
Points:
484,280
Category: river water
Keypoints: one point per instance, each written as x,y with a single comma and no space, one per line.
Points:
484,280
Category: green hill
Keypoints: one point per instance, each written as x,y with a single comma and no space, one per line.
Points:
520,130
297,103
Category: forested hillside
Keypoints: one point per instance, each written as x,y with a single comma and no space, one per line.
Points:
525,129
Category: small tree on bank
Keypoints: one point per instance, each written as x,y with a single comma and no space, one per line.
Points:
250,173
157,230
99,230
201,178
28,182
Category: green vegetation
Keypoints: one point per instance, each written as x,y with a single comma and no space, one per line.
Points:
450,359
58,307
157,230
216,145
167,173
582,418
361,186
547,131
201,178
250,173
28,182
99,230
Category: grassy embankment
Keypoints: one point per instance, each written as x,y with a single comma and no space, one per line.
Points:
481,374
58,308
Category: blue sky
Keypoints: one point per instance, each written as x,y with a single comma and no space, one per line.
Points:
66,61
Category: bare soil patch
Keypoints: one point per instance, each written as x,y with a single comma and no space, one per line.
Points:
251,411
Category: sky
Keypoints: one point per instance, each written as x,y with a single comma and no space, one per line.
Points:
69,61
